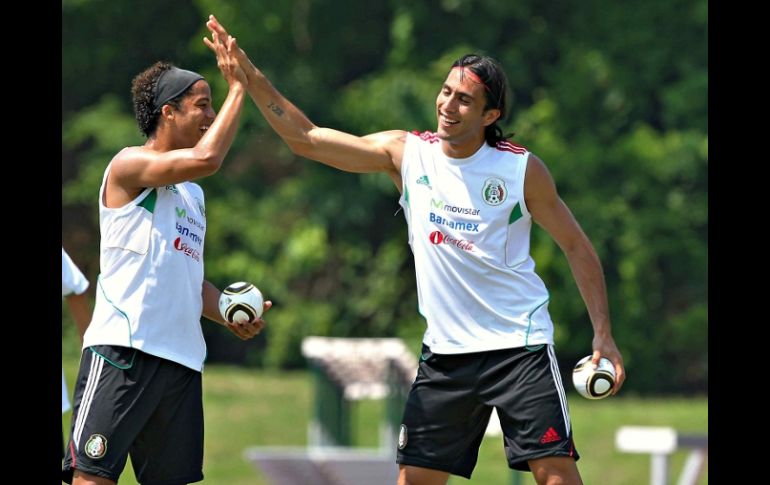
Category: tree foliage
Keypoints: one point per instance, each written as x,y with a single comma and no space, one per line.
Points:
611,95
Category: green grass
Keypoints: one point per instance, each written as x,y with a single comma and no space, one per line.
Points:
246,407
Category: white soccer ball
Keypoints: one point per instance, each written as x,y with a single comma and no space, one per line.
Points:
593,383
241,302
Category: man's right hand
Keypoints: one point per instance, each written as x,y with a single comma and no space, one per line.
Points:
249,330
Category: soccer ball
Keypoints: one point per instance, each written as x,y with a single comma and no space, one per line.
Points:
593,383
241,302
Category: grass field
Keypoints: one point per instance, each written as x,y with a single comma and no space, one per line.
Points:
246,407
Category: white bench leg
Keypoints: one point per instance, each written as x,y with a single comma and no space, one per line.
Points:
659,470
693,467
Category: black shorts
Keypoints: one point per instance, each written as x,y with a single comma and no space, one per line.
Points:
130,402
450,402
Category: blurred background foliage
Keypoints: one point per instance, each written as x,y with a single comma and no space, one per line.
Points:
613,96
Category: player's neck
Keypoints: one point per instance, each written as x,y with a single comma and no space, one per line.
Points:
463,149
161,142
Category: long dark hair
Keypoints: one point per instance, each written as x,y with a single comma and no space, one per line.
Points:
495,82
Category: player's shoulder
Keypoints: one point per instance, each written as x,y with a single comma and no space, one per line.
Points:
388,136
426,136
129,154
392,141
509,146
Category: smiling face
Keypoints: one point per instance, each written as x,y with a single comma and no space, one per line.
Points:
461,115
193,115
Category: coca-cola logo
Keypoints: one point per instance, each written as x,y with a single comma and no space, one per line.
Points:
187,249
437,237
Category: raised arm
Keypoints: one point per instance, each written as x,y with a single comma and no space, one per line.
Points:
161,161
379,152
553,215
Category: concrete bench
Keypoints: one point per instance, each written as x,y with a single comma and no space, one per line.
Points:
660,442
324,466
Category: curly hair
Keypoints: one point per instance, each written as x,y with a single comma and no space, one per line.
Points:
143,89
492,75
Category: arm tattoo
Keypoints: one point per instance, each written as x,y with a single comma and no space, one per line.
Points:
275,108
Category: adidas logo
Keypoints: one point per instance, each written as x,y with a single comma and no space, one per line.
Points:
550,436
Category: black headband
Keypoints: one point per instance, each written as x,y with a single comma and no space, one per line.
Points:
170,84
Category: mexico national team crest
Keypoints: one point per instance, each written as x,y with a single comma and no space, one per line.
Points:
96,446
402,437
494,191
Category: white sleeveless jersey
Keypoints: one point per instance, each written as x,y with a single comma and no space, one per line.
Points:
148,295
469,231
72,279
